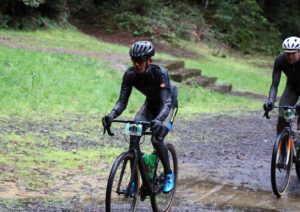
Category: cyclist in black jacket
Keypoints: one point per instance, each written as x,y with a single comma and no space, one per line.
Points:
287,62
160,106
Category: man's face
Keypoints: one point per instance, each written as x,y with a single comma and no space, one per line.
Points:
292,57
140,65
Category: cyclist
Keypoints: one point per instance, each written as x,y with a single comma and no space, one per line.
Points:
160,106
287,62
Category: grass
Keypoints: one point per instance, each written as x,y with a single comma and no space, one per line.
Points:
34,82
252,74
68,38
39,82
34,159
61,38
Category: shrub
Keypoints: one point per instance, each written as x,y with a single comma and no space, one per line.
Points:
32,14
155,19
243,26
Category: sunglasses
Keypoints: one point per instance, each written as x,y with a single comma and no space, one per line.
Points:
138,60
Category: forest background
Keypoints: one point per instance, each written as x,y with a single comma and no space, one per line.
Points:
250,26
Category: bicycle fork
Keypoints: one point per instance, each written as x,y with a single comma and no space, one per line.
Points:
133,167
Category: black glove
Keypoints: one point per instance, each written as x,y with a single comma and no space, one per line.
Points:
107,120
156,127
268,105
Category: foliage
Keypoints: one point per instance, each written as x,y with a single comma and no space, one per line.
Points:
235,22
243,26
33,3
285,15
32,14
150,18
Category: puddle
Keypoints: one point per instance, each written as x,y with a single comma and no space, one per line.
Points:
225,196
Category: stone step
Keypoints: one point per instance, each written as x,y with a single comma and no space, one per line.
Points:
204,81
225,88
170,65
179,75
249,95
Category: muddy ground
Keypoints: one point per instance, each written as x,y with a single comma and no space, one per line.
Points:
223,161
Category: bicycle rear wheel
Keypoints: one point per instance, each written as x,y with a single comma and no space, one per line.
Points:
121,194
281,163
161,201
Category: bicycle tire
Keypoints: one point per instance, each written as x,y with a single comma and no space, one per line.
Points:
282,161
156,200
298,163
120,176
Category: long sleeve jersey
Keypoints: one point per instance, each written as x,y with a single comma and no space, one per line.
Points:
155,84
292,72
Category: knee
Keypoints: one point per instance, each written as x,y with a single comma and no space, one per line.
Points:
159,137
156,142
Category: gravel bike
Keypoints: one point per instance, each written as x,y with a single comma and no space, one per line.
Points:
124,186
285,152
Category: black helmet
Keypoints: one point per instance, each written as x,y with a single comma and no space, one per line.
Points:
142,50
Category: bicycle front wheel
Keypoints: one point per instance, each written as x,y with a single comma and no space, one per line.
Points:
281,163
298,163
121,191
161,201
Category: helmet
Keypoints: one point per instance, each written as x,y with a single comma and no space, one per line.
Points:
291,44
142,50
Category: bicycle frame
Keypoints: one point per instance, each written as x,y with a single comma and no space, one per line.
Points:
290,145
134,147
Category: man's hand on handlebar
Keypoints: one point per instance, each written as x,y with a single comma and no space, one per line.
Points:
106,122
268,106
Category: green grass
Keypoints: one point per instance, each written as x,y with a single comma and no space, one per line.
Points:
199,100
245,74
33,160
39,82
61,38
68,38
34,82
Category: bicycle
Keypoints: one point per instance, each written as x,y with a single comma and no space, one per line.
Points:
123,186
285,153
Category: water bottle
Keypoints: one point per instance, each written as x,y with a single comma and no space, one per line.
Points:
149,161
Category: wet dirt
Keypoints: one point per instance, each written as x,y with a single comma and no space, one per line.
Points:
224,164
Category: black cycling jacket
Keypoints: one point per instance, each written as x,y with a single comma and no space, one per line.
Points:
155,84
292,72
